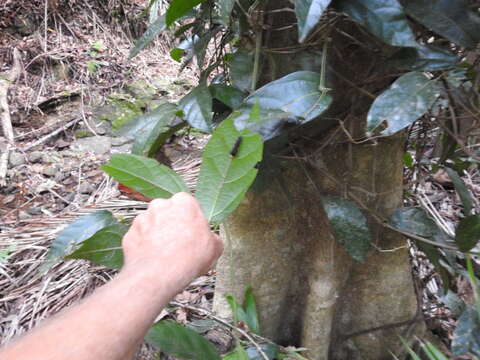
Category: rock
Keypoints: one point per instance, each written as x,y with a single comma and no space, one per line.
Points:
98,145
61,144
60,176
23,215
120,140
35,156
45,186
49,158
17,159
124,149
51,170
34,210
86,188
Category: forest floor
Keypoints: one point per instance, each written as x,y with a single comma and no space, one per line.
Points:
75,80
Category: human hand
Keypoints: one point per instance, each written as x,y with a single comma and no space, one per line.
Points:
172,237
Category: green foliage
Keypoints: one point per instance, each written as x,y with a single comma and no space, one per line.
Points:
144,175
177,340
349,226
228,170
241,65
462,190
153,30
177,54
179,8
229,95
408,98
308,14
468,233
238,353
197,108
466,337
246,313
424,58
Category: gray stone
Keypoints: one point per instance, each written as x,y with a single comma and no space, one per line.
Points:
123,149
50,170
34,210
60,176
49,158
17,159
35,156
97,145
120,140
86,188
23,215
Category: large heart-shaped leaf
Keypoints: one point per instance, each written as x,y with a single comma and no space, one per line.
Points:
297,93
179,8
308,14
241,65
76,233
197,108
349,226
179,341
424,58
145,175
383,18
104,247
451,19
228,169
468,233
466,337
150,131
462,191
153,30
407,99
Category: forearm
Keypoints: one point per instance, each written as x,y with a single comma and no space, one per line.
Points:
108,325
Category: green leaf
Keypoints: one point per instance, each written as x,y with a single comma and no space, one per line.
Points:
251,311
225,8
271,350
296,93
150,131
228,170
407,99
468,233
466,337
349,226
144,175
424,58
237,311
241,65
383,18
104,247
451,19
179,8
408,160
76,233
153,30
308,14
238,353
432,352
229,95
462,191
197,108
179,341
177,54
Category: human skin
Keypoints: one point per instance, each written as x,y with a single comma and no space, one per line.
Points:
166,247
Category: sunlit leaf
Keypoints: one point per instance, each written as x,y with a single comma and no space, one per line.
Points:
468,232
424,58
144,175
228,169
179,8
349,226
229,95
451,19
466,337
153,30
462,190
72,237
407,99
177,54
151,130
383,18
197,108
241,65
308,14
179,341
104,247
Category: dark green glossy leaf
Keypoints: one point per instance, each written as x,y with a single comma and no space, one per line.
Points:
197,108
241,65
228,170
179,341
104,247
229,95
407,99
383,18
468,232
271,350
144,175
150,131
179,8
177,54
153,30
76,233
349,226
296,93
251,311
451,19
308,14
225,8
424,58
466,337
462,191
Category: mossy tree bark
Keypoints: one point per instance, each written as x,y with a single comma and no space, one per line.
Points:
309,291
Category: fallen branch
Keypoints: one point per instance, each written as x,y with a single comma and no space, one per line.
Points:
50,135
7,128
